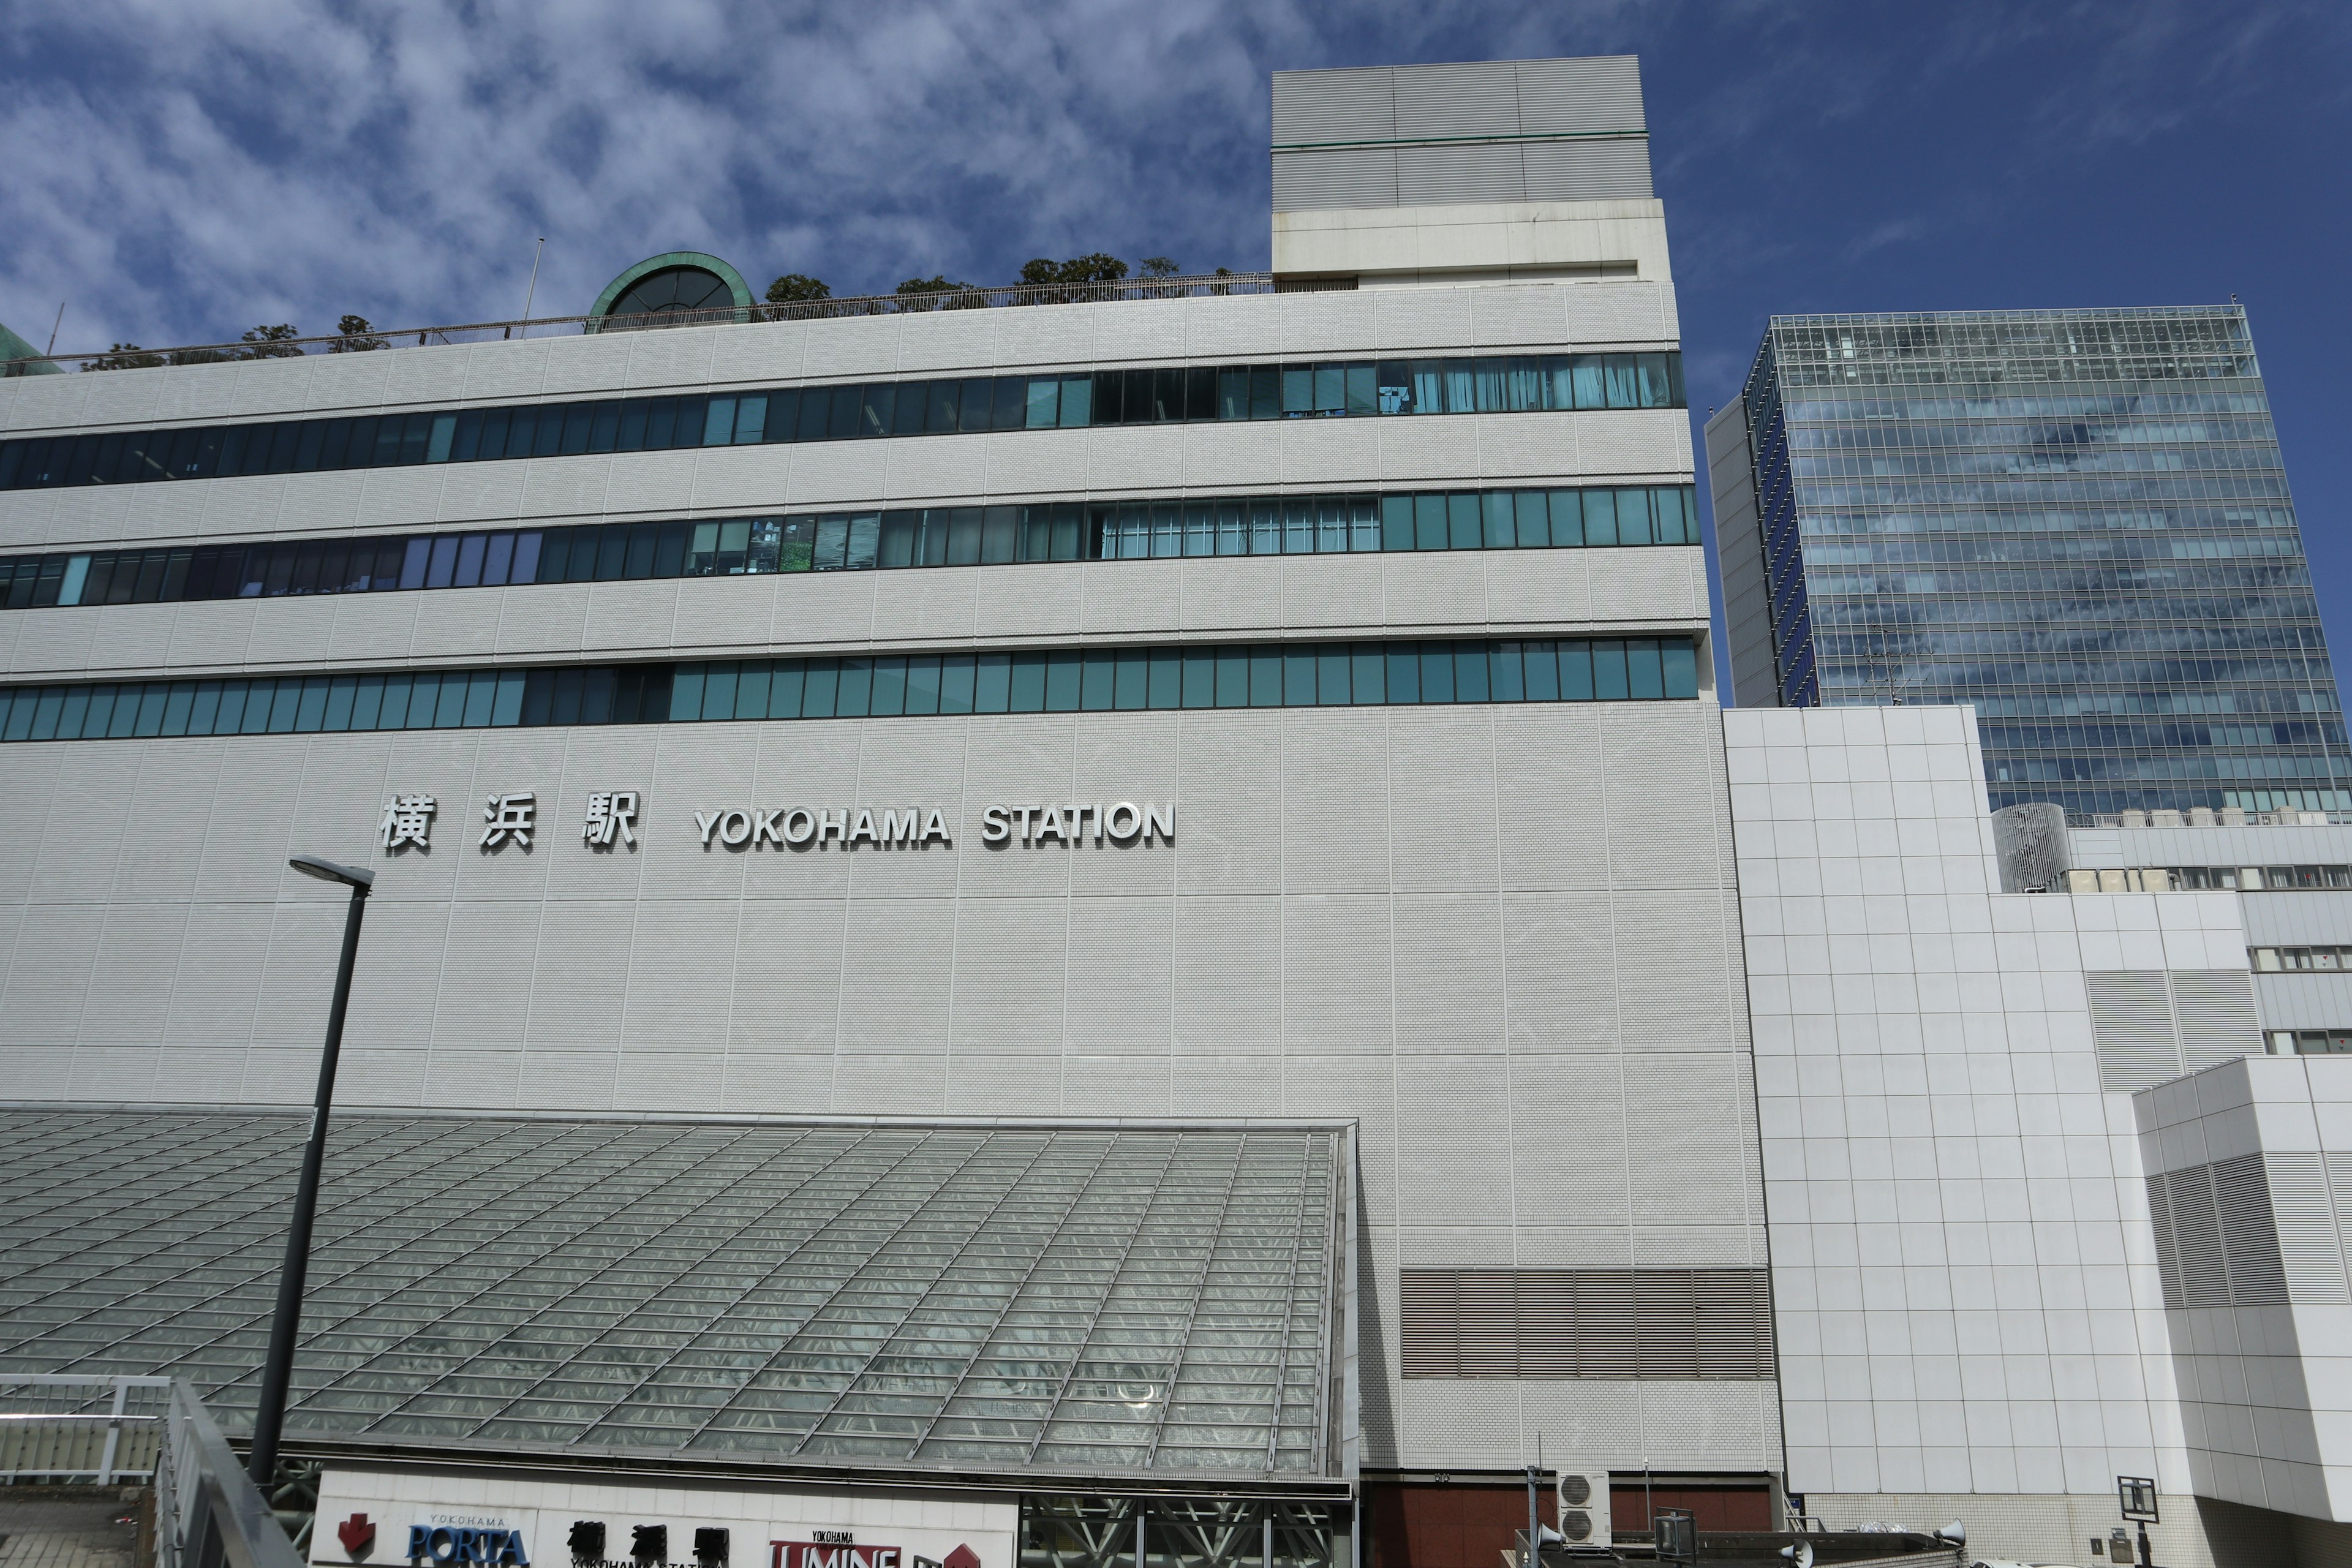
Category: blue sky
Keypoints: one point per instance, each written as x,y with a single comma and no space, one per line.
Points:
180,170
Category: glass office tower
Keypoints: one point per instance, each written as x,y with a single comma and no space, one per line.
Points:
2077,520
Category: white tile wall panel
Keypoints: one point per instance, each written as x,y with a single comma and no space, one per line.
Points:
441,625
1446,1169
49,644
698,772
902,767
1539,591
1621,313
1130,598
1663,940
295,630
502,372
211,1076
1143,329
42,1072
504,761
942,468
579,992
133,636
741,479
1442,798
1011,989
1125,757
114,398
560,1080
33,781
172,798
1329,453
1508,317
50,975
491,1079
1451,1246
113,1072
807,764
1336,988
1112,1085
1224,458
1236,596
681,1080
680,985
1228,840
101,513
1119,985
992,1085
1144,458
1529,446
1638,444
1331,323
313,503
1660,796
216,978
1335,805
550,620
25,517
1447,589
723,616
1670,324
1039,463
1212,1086
1041,600
624,618
1228,959
79,841
49,402
280,1076
1544,1245
793,1085
1013,759
838,474
819,609
1559,952
344,381
760,351
1437,452
789,963
1551,785
1688,1156
947,341
1236,330
892,1085
431,374
9,630
1422,318
1665,1245
482,492
918,606
680,356
482,1003
1637,588
581,488
298,974
575,367
165,511
898,967
1365,1088
191,392
1335,592
1035,339
853,349
410,497
1449,973
132,995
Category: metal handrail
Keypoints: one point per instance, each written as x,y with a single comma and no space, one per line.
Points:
967,298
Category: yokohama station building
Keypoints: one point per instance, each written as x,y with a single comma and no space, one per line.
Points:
1069,931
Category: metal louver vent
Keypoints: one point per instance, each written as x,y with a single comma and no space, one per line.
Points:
2238,1233
2309,1249
2249,1235
2131,1027
2216,1012
1709,1324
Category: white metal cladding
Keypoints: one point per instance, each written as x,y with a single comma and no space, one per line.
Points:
1334,106
1442,102
998,1297
1596,94
1322,178
1586,171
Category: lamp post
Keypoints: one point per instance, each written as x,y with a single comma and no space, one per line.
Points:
269,1419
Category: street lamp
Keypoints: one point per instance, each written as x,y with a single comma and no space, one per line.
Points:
278,1371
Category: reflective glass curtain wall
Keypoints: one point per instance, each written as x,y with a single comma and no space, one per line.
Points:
2077,520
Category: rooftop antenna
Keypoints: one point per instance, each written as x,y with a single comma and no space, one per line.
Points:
53,330
530,293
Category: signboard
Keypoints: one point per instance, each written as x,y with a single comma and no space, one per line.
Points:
610,819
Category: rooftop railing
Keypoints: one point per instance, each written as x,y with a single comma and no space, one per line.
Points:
959,299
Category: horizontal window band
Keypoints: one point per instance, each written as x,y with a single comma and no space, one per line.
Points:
966,405
1068,681
935,536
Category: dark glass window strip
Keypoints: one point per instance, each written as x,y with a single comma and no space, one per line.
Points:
1065,680
1150,396
939,536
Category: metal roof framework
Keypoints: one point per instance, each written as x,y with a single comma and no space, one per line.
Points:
1165,1302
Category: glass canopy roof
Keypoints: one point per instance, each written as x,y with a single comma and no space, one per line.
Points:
996,1297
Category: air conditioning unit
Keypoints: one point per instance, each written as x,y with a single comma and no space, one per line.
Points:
1584,1506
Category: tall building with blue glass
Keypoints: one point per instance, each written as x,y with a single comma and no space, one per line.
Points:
2077,520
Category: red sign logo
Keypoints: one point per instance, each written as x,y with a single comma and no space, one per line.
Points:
823,1554
356,1534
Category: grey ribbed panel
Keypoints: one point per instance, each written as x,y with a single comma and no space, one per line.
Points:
1480,171
1334,106
1600,93
2309,1251
2197,1240
2131,1026
1613,170
2216,1009
2250,1243
1476,99
1335,177
2167,1258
